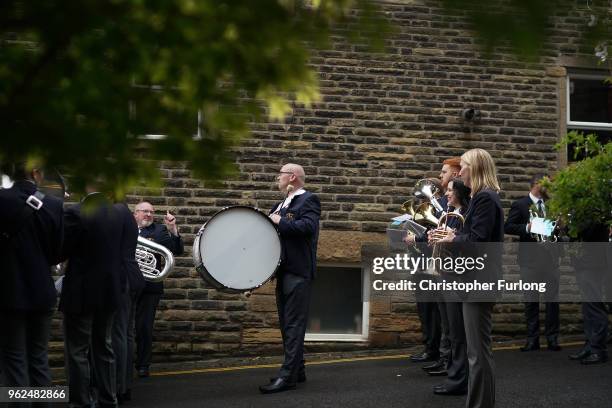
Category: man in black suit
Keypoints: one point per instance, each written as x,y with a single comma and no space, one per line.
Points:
592,269
31,234
96,241
168,236
297,218
123,323
536,264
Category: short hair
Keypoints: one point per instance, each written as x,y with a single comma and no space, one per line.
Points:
536,179
140,203
453,162
483,173
18,170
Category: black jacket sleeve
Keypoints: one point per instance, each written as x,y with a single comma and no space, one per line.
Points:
172,242
482,222
518,217
308,222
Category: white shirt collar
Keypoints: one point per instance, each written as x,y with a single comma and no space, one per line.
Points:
535,199
287,200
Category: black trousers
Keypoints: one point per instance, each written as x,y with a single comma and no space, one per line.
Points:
23,348
123,342
457,366
429,315
89,337
145,320
594,313
481,378
293,302
532,303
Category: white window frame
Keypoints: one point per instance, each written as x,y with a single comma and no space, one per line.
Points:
577,125
365,321
197,136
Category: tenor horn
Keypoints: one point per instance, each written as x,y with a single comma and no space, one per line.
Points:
147,261
425,188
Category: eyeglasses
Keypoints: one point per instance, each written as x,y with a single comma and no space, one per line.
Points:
285,172
147,211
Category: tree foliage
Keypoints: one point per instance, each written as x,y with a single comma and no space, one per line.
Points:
82,81
581,193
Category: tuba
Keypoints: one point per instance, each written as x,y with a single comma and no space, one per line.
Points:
147,262
424,188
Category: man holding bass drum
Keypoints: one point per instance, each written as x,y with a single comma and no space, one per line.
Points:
297,219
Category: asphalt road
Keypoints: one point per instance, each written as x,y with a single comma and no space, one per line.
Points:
524,380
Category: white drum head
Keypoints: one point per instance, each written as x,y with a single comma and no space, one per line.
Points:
239,248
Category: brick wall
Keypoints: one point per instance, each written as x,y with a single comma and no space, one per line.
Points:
385,121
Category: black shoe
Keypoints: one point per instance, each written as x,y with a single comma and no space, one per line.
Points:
553,346
594,358
582,354
143,372
301,378
125,397
438,373
443,390
423,357
441,363
531,346
278,385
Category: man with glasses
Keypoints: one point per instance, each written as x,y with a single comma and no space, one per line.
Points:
297,219
168,236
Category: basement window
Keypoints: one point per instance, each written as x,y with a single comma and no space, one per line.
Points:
338,310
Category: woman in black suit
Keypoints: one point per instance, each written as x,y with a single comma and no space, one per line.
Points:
458,196
484,223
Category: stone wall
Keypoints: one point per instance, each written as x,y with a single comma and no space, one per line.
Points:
385,121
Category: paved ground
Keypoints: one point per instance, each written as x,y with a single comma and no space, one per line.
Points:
524,380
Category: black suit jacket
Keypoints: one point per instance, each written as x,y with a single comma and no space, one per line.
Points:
299,231
483,233
540,256
128,259
25,281
159,233
97,238
484,219
518,218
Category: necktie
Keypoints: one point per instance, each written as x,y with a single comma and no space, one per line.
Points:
540,208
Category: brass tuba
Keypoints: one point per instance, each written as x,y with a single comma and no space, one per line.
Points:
425,188
145,256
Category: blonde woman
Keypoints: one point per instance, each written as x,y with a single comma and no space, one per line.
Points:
484,223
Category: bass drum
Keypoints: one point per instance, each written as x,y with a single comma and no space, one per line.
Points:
237,250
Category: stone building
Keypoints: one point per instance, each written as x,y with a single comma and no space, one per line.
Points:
385,121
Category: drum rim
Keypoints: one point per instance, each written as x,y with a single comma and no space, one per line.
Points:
200,264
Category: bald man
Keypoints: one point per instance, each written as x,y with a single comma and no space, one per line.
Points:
297,219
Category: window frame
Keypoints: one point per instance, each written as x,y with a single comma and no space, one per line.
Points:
365,321
578,125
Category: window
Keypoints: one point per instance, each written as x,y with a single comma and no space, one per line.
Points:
589,102
338,310
148,102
